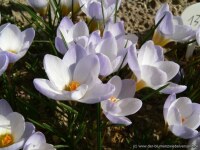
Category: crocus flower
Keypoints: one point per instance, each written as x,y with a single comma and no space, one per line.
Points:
21,41
171,28
37,141
75,77
68,34
39,6
14,131
3,63
150,69
121,103
66,6
93,8
182,116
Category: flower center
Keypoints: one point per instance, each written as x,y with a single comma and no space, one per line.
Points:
183,119
73,85
113,99
6,140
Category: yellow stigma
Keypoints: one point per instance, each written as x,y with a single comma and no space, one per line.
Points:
113,99
6,140
140,85
12,51
73,85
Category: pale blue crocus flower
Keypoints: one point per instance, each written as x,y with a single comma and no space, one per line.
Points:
182,116
121,103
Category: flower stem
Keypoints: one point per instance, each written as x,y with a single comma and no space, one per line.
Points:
99,142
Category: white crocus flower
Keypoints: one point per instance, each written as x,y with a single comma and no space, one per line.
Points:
39,6
151,70
182,116
15,43
121,103
4,61
93,8
75,77
171,28
71,34
14,131
37,141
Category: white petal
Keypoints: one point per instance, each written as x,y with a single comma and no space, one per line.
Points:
15,146
108,47
118,120
127,106
133,62
87,69
117,82
173,88
167,104
74,55
192,121
64,25
5,108
29,130
183,132
17,125
173,116
198,36
105,64
153,76
11,34
117,29
48,89
127,89
57,72
79,29
98,93
36,139
169,67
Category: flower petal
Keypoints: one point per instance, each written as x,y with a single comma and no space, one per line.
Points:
167,104
173,116
169,67
5,108
87,69
64,25
183,132
153,76
133,62
117,82
57,71
98,93
173,88
17,125
29,130
127,106
127,89
118,120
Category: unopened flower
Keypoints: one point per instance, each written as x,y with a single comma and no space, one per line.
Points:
14,131
75,77
93,8
66,6
150,69
121,103
37,141
21,41
4,61
182,116
39,6
68,34
171,28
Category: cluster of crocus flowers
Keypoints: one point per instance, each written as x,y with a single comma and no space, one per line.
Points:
182,116
16,134
171,28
